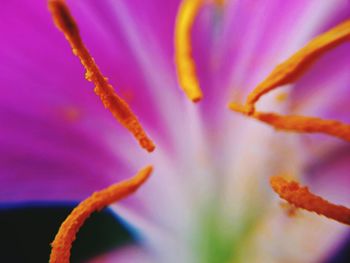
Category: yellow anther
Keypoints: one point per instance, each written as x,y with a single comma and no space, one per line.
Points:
185,66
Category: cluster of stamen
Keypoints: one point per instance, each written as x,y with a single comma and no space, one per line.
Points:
291,70
287,72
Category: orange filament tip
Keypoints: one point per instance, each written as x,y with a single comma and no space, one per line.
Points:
185,65
240,108
115,104
304,124
291,70
294,67
298,123
301,197
61,246
63,18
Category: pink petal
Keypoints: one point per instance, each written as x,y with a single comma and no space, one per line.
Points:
57,141
130,254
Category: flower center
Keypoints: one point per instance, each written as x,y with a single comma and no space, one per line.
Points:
284,73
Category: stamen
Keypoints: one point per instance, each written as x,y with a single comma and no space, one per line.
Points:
294,67
62,243
289,71
115,104
298,123
185,66
301,197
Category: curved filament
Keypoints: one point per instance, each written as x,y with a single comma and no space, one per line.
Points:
62,244
185,65
299,123
115,104
288,72
295,66
301,197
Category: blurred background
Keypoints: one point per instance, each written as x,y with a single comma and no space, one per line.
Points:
27,230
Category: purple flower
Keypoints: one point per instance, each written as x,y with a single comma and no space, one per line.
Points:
209,199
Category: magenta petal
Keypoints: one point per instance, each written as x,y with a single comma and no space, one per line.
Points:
238,47
324,90
329,174
55,135
157,19
52,160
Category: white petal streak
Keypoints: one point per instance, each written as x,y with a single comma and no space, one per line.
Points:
157,72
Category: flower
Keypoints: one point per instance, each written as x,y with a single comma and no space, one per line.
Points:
209,199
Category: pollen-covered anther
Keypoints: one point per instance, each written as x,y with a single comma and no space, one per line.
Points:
288,72
61,246
115,104
301,197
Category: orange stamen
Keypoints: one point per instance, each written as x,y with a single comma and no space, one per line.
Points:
294,67
117,106
185,66
62,243
288,72
301,197
298,123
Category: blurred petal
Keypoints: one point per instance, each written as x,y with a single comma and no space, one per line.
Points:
130,254
329,174
304,237
68,135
